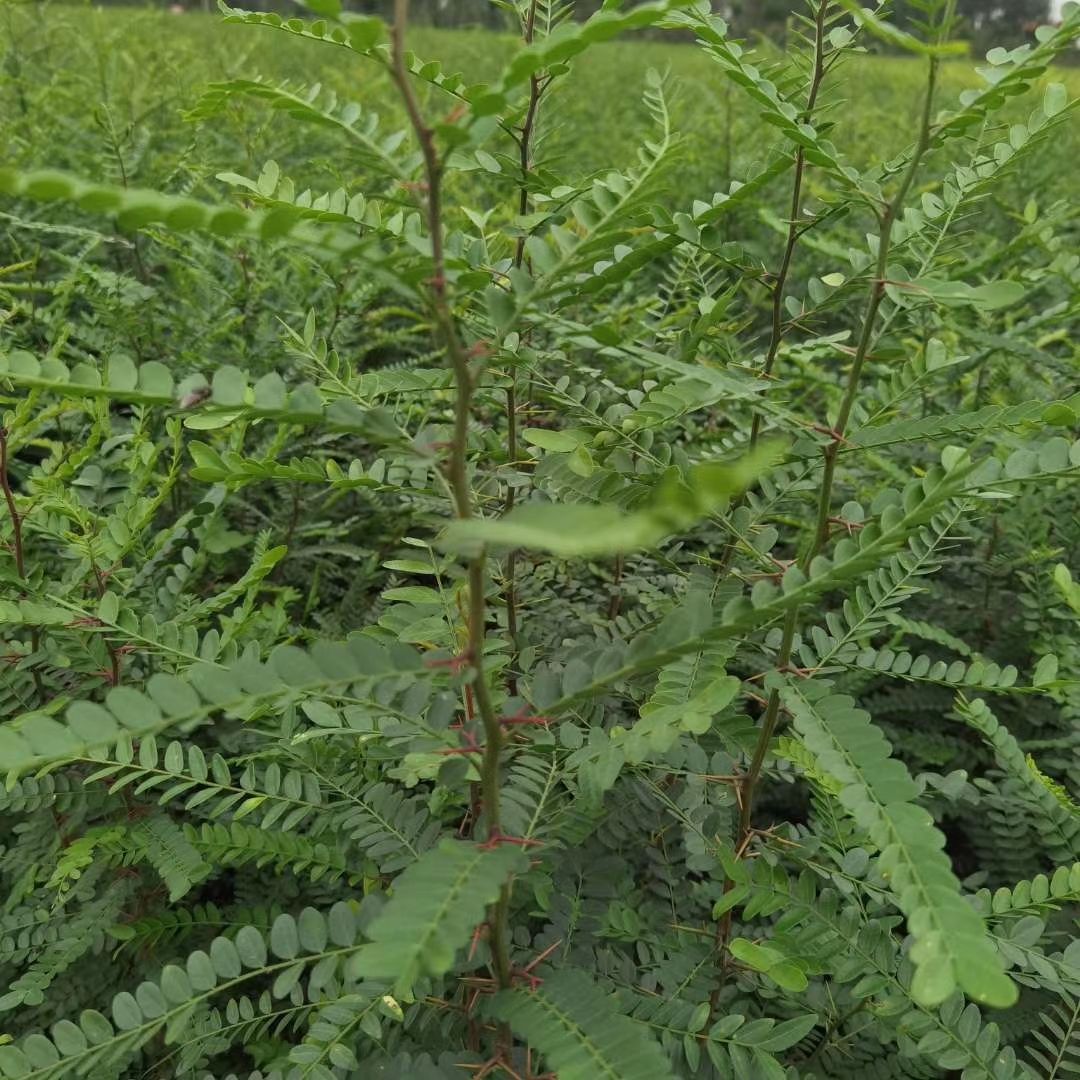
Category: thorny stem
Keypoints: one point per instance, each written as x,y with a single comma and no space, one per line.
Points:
794,231
458,474
118,154
9,498
536,90
821,532
820,537
877,293
114,656
615,599
17,548
290,527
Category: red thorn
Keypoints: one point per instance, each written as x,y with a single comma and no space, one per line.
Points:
851,526
478,933
836,436
802,672
522,717
534,981
454,664
471,746
497,838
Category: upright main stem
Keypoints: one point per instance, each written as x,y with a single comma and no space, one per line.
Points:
779,288
17,548
776,334
457,471
819,538
839,427
536,89
13,512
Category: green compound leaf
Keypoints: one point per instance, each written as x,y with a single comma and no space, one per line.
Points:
37,739
580,1032
571,530
436,905
951,946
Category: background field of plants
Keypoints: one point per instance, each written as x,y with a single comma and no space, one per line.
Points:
563,569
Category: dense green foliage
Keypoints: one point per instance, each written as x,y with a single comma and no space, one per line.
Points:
563,569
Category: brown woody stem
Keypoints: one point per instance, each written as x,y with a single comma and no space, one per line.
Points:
536,90
17,548
821,531
446,328
776,334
